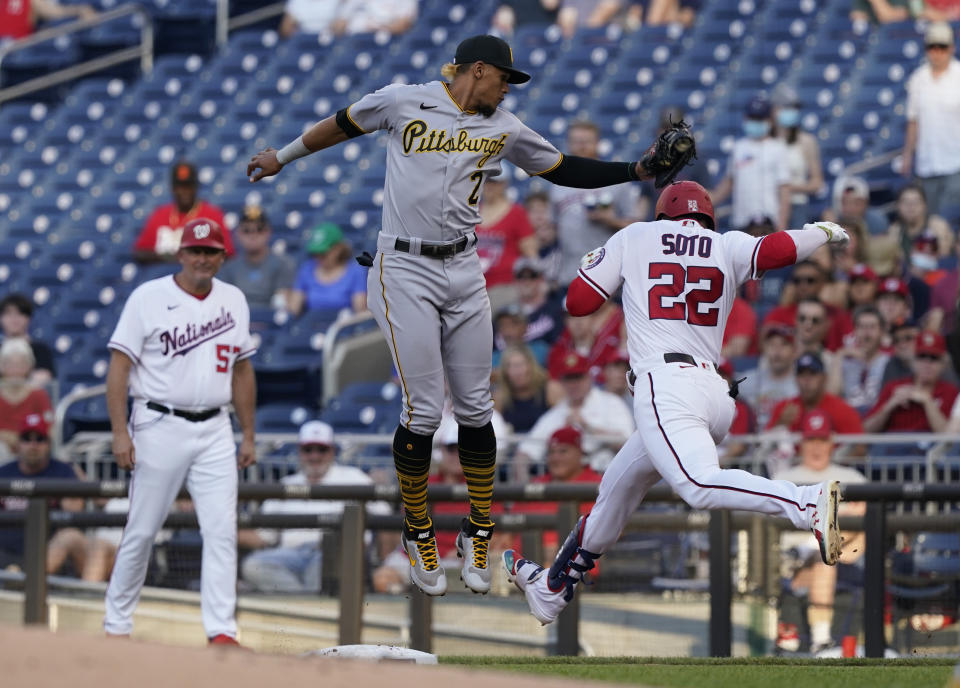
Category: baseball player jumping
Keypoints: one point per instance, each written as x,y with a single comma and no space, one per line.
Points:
426,287
679,280
183,347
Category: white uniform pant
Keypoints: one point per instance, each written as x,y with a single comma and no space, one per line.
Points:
169,450
682,413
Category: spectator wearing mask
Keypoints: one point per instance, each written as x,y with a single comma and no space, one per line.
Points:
803,154
586,218
913,219
757,179
773,379
922,402
329,279
812,386
16,310
159,239
863,360
597,413
851,201
924,262
263,276
933,118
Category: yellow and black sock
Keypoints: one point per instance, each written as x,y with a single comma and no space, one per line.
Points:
411,458
478,457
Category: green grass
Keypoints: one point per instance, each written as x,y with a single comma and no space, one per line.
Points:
759,672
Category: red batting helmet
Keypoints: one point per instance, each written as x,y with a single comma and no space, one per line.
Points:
202,232
683,199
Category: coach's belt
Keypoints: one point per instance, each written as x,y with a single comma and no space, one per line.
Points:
436,250
192,416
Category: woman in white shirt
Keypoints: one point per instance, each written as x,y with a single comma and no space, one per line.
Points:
803,155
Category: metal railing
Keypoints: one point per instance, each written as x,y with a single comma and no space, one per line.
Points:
226,23
353,522
143,51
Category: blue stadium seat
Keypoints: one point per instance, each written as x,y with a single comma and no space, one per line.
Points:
281,417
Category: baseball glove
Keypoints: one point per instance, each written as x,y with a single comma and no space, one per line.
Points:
670,153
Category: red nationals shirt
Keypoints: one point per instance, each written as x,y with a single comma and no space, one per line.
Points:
845,419
742,323
161,233
15,19
911,417
498,245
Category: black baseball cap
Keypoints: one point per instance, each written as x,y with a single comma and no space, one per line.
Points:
811,363
183,174
492,50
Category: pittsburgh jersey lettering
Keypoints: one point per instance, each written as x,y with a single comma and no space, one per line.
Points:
438,141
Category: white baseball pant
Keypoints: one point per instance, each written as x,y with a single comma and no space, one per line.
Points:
682,413
168,450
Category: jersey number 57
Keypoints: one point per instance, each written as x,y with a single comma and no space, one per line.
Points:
223,356
685,308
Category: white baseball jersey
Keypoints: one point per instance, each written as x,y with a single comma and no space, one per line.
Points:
679,281
183,347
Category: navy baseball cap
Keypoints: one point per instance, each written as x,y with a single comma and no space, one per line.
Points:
810,363
758,108
492,50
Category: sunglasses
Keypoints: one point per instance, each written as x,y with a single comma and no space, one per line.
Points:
33,437
316,448
906,339
812,319
805,280
527,276
252,230
927,357
938,46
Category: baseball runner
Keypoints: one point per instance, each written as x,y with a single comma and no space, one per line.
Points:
679,280
183,346
426,286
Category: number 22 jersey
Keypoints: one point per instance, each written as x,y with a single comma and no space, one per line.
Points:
679,282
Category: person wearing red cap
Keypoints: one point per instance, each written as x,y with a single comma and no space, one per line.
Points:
600,414
893,300
863,285
182,350
811,376
807,604
159,239
566,463
596,337
615,370
33,461
921,403
925,259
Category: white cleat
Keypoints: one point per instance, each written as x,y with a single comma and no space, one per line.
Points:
473,544
531,578
420,544
825,527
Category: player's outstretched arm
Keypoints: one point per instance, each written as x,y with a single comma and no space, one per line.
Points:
781,249
244,388
323,134
118,375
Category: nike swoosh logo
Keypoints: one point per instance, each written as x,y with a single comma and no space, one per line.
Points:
427,107
170,308
688,366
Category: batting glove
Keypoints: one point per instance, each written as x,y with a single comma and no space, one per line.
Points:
835,233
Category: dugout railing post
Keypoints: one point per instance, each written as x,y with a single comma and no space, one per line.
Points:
874,579
721,584
352,574
36,534
421,621
568,623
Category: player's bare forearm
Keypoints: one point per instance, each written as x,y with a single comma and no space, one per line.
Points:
244,388
270,161
118,375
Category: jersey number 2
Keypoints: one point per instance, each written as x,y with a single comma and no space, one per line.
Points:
689,308
474,196
223,356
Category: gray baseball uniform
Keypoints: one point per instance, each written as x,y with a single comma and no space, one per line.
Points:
434,312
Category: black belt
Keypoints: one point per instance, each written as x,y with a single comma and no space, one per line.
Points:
192,416
436,250
669,358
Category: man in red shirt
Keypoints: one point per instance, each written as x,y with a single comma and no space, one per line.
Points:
921,403
740,335
808,279
812,383
565,464
160,237
18,17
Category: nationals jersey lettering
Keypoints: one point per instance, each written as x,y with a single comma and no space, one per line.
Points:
184,356
679,282
439,156
182,341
